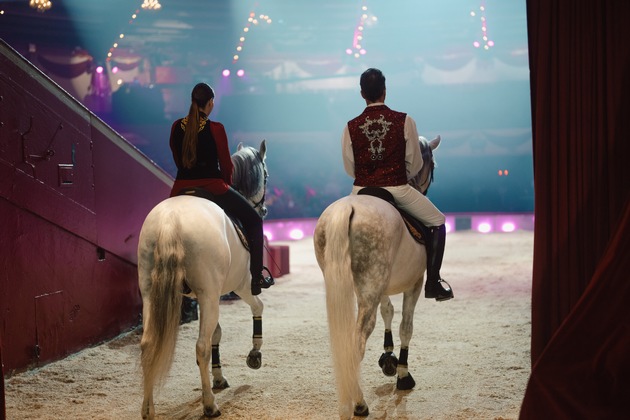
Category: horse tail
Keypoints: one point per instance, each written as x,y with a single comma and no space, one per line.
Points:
341,303
162,326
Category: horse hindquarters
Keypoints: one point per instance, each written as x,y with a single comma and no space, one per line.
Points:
162,298
335,263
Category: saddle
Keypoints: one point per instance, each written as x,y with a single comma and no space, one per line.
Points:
200,192
416,228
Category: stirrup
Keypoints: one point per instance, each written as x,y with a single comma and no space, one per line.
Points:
439,290
266,281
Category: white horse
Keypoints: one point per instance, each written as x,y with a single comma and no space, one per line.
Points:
366,254
189,241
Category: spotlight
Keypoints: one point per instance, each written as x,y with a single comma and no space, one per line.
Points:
296,234
226,73
99,69
240,73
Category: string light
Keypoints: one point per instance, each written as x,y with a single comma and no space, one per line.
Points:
357,49
40,5
147,5
252,21
486,42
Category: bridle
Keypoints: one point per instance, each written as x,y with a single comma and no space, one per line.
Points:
260,204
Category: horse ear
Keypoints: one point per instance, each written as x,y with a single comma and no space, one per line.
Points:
239,147
263,149
435,142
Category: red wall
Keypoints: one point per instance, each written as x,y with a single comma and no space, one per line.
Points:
73,196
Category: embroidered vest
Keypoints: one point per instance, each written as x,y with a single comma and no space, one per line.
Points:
378,145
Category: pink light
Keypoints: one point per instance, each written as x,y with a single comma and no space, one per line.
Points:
448,227
240,73
508,227
226,73
484,227
362,51
296,234
491,43
348,51
99,69
114,69
268,234
476,44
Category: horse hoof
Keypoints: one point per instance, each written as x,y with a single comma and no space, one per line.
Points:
405,383
211,412
388,363
254,359
361,410
222,384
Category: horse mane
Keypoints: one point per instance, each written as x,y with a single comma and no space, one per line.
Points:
249,171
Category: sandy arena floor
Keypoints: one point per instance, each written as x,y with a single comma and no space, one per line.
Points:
469,356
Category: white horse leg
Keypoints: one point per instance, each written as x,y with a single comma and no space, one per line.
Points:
366,320
388,361
254,358
144,282
208,322
405,380
218,380
148,409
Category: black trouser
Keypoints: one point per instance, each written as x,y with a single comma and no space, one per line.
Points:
236,206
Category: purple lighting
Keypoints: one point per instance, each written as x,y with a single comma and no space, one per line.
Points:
226,73
99,69
508,227
296,234
240,73
114,69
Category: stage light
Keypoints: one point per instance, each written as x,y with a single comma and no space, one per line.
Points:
268,234
508,227
115,69
226,73
296,234
99,69
240,73
484,227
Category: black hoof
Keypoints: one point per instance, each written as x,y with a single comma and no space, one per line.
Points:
254,359
405,383
388,363
212,414
361,410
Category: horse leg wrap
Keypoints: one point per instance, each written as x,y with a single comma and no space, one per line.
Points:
402,360
389,341
216,358
257,337
257,327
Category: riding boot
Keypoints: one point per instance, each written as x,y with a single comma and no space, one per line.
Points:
436,287
189,310
259,281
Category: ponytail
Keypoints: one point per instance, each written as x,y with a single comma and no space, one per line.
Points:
189,148
200,96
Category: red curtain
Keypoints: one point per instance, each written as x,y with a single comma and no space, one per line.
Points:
580,88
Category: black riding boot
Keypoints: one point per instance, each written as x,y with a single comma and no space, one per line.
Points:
435,286
259,280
